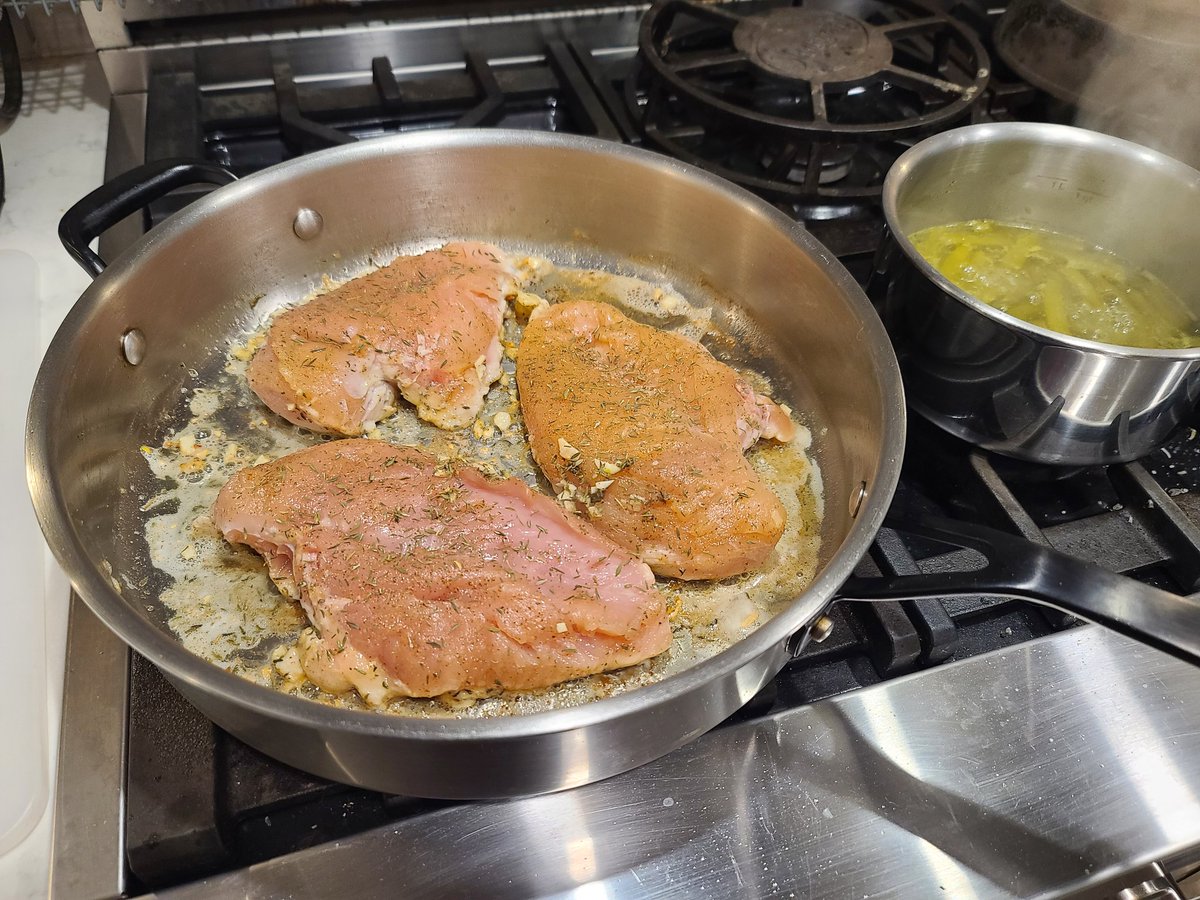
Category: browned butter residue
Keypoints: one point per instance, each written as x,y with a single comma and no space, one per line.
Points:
225,609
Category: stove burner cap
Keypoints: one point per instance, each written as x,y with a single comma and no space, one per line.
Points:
815,45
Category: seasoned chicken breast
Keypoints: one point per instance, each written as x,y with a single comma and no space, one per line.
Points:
419,581
645,430
426,327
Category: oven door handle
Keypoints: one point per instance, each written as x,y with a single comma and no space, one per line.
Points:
1027,571
124,195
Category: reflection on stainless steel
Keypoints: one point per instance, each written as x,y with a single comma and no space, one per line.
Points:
88,846
336,49
1037,771
515,187
89,853
126,149
1005,384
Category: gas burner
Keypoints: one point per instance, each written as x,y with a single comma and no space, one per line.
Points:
810,177
806,105
901,69
814,45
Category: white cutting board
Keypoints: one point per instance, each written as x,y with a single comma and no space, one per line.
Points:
23,776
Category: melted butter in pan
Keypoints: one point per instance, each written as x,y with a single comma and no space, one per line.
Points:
223,607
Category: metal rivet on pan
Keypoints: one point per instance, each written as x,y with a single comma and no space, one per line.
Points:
856,498
820,629
133,346
307,224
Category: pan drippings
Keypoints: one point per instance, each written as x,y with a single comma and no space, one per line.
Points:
224,607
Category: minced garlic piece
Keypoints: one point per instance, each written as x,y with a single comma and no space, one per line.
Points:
566,451
531,268
528,305
561,627
570,493
803,438
502,420
188,552
204,527
287,664
606,467
669,302
247,350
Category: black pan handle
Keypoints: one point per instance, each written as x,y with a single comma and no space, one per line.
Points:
127,193
1027,571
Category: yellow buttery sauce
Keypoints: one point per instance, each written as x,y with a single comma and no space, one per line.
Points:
1060,283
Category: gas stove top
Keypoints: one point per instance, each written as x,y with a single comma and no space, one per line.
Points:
805,105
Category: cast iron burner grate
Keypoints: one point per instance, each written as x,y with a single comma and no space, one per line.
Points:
248,128
805,104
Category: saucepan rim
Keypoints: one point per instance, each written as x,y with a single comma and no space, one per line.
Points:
1047,134
169,654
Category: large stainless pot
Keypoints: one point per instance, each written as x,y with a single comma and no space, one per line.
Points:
158,321
188,285
1003,383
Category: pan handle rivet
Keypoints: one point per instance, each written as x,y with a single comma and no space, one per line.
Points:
133,346
820,629
307,224
856,498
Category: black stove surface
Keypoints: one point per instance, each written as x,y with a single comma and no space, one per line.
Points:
199,801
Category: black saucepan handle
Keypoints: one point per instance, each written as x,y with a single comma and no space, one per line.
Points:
1019,568
127,193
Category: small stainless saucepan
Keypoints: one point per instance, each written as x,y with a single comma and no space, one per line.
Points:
1003,383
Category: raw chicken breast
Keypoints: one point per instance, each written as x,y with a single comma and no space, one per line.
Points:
419,580
646,431
425,326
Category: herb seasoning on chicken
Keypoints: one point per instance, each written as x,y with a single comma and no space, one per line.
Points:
427,327
645,432
420,580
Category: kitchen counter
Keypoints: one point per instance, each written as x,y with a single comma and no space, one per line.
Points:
53,155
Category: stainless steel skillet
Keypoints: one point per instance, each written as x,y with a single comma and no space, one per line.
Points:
187,286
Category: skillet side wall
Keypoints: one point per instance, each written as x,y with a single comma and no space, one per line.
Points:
189,286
